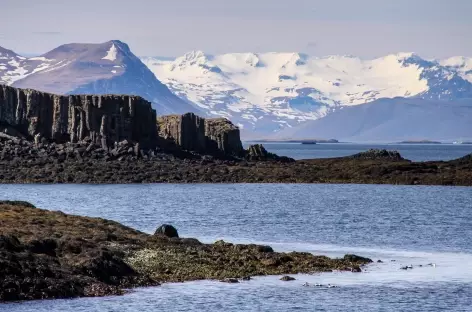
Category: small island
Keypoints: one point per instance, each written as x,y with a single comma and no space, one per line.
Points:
315,141
419,142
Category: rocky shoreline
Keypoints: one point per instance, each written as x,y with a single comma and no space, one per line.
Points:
23,161
49,254
47,138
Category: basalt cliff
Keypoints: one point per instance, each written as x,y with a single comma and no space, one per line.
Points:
106,120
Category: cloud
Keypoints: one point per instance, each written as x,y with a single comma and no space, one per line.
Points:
46,33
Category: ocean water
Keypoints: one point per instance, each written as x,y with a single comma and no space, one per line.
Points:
400,225
414,152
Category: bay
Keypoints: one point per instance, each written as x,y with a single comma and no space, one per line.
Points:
400,225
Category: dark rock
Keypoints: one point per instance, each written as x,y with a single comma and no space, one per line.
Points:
74,118
167,230
263,248
194,133
107,268
45,246
230,280
17,203
187,131
287,278
191,241
379,261
223,135
10,243
257,152
377,154
355,258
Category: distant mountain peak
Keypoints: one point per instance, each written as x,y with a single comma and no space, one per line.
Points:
111,54
194,57
406,55
93,68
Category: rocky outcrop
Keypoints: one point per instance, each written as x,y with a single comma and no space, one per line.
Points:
377,154
195,133
187,131
50,254
257,152
223,135
104,119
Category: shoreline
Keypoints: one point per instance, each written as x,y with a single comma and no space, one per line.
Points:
344,170
49,254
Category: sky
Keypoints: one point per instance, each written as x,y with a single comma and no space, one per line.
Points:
364,28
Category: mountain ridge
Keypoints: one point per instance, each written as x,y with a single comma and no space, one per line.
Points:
101,68
266,92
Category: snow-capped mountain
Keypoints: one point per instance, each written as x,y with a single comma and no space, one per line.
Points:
271,91
460,64
391,120
76,68
261,92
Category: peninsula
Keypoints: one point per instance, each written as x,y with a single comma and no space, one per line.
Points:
49,254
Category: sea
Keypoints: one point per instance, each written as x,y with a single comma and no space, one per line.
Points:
426,227
414,152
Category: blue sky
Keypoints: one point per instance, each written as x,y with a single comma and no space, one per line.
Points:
366,28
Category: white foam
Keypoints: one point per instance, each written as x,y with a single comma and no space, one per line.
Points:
448,266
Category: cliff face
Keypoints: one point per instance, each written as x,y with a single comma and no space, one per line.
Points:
104,119
194,133
108,119
223,135
187,130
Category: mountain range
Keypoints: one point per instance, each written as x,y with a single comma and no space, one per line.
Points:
290,95
267,92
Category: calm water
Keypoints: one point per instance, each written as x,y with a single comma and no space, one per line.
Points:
409,224
415,152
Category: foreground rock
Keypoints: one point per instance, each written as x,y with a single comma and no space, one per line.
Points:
47,254
167,230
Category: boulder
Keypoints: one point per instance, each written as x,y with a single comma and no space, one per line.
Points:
287,278
356,259
167,230
257,152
